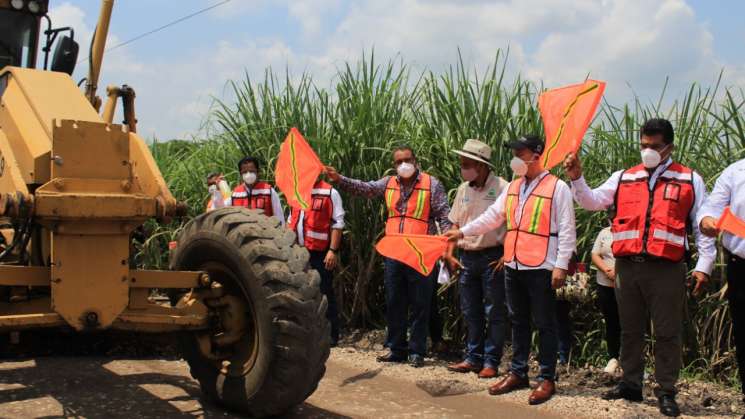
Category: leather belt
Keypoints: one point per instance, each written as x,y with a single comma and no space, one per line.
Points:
643,258
488,250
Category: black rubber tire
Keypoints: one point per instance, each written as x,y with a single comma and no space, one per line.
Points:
288,308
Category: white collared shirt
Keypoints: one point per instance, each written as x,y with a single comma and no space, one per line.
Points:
561,243
337,217
729,190
604,196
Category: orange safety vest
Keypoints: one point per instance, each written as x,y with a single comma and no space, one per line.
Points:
528,235
653,223
415,217
258,197
317,219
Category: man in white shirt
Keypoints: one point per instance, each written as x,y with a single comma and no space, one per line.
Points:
251,193
655,202
540,239
319,230
729,191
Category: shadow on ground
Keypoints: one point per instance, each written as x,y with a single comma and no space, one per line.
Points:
112,379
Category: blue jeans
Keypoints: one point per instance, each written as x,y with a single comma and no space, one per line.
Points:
483,305
529,294
406,289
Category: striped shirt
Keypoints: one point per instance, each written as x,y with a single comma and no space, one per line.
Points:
439,207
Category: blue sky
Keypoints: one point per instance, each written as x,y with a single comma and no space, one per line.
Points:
178,71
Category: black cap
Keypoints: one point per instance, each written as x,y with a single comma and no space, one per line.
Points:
532,142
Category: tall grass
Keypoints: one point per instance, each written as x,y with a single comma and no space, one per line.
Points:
373,106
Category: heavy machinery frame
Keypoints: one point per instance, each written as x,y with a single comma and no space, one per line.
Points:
73,189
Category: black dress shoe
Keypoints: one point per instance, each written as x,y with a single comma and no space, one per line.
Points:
622,391
391,357
668,406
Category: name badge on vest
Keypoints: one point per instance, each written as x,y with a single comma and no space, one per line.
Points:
672,192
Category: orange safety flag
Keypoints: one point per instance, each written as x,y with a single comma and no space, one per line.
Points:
566,114
297,169
730,223
421,252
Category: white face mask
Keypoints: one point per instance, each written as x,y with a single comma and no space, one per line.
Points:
652,158
470,174
405,170
519,166
249,178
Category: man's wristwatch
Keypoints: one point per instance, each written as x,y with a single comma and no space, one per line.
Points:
333,250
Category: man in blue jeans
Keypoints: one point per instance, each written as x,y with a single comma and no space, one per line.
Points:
415,203
537,210
482,281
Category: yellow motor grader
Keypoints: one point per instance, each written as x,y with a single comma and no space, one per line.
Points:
73,189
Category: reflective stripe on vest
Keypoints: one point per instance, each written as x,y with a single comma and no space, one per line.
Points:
653,222
528,236
316,235
261,197
317,220
415,218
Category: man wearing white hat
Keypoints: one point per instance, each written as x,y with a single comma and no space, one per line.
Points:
482,297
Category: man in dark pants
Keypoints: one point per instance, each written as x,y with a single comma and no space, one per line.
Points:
481,282
415,203
656,203
729,191
536,209
319,229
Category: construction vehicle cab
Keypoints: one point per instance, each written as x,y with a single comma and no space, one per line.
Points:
20,29
73,189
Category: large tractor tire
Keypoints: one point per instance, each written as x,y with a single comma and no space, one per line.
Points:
270,339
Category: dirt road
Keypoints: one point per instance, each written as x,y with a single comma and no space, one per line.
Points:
101,387
354,386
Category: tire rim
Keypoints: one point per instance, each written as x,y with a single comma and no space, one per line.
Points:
238,317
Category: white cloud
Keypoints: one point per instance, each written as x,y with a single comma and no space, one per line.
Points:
636,42
632,42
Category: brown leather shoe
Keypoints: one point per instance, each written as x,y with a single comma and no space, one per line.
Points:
509,383
542,393
488,372
464,367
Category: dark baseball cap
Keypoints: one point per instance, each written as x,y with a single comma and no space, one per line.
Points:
532,142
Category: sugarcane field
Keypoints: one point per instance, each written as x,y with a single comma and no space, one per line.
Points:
365,209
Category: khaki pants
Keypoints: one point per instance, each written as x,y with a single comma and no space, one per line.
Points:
656,289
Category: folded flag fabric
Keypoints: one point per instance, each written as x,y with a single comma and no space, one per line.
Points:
730,223
421,252
566,113
297,169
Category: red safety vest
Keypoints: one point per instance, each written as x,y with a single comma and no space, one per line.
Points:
527,240
258,197
318,219
415,218
653,223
